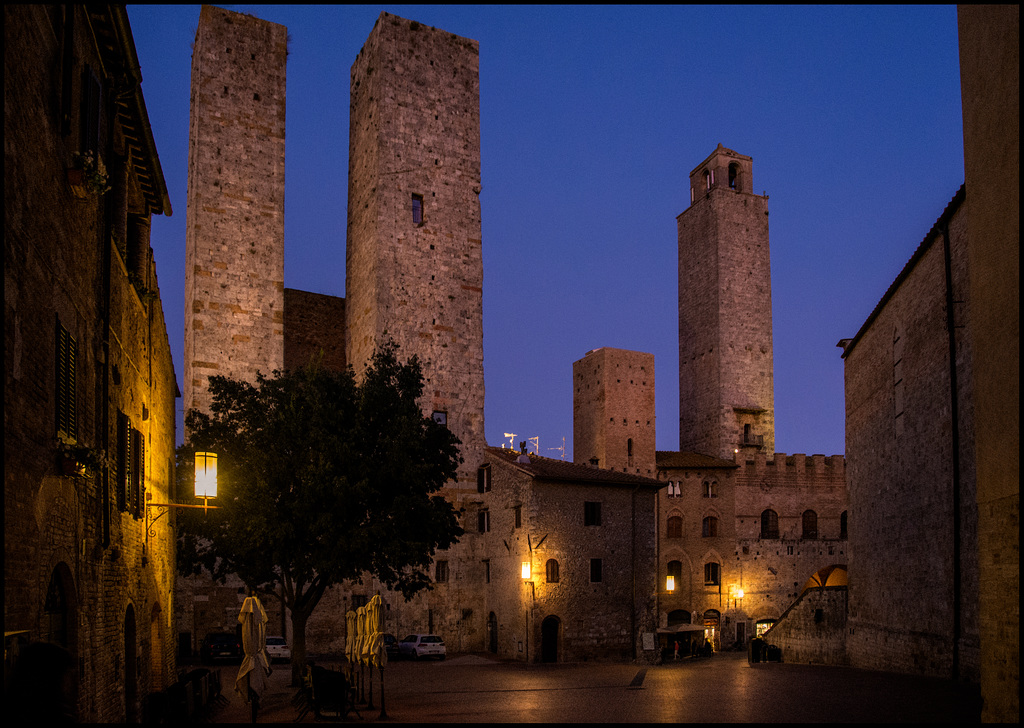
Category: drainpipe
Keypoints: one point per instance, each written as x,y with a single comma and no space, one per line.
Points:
955,445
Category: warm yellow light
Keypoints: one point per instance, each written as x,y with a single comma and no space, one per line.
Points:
206,475
739,593
670,583
526,569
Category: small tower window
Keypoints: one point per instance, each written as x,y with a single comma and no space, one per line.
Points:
417,209
734,177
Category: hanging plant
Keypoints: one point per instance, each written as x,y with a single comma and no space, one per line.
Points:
88,178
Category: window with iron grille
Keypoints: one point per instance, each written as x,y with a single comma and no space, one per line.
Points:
440,571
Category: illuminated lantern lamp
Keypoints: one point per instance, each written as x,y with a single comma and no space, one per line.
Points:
206,475
739,594
526,569
670,583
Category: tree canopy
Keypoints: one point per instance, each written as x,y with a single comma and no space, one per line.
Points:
320,480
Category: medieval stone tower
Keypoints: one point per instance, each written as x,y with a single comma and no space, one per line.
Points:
234,272
613,411
726,392
414,269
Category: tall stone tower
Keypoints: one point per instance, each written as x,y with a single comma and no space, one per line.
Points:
414,269
613,411
726,390
234,259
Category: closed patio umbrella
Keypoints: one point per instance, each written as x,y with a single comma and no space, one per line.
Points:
373,648
251,682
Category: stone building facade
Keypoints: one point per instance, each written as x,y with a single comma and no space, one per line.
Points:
910,443
990,90
570,558
89,383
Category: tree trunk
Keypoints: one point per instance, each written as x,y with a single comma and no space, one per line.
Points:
299,619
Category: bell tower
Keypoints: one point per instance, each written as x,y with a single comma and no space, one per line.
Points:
726,381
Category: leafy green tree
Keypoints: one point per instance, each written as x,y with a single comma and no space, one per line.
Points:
320,480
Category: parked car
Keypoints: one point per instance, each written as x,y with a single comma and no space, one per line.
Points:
422,645
391,646
278,649
220,646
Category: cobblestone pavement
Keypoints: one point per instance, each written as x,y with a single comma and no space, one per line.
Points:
722,688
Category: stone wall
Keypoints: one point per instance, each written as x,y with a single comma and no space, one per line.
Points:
417,276
725,314
234,259
813,629
910,467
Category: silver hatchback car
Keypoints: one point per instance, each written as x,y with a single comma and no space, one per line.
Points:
422,645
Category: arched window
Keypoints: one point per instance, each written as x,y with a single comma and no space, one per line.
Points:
675,527
712,574
810,523
734,174
675,574
769,524
551,569
842,525
709,528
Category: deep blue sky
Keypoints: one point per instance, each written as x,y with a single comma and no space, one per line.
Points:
591,120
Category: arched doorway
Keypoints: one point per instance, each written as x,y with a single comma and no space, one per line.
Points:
549,639
492,633
131,668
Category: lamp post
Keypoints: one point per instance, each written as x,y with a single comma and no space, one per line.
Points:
205,488
525,572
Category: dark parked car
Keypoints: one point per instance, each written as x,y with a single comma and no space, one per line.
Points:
391,647
220,646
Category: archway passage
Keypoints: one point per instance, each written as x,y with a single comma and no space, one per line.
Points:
834,575
549,639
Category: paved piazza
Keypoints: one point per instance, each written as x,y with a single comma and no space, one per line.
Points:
723,688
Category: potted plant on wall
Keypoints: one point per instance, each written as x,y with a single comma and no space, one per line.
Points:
88,177
78,461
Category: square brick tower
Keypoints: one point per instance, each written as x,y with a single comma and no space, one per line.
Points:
613,411
726,390
234,259
414,269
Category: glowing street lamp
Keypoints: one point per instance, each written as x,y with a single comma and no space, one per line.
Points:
670,583
526,570
206,475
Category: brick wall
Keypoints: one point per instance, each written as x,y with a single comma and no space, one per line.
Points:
314,326
83,259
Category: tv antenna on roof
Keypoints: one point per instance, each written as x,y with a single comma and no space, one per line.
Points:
511,441
535,441
560,449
